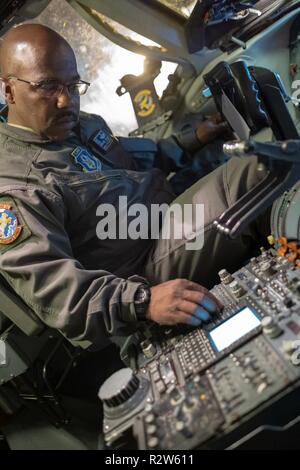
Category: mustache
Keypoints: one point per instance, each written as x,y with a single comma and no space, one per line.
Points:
68,114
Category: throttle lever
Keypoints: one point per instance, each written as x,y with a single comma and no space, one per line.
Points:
283,161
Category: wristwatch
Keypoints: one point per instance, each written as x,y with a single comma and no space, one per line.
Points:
141,301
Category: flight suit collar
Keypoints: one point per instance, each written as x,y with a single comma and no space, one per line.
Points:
84,130
22,134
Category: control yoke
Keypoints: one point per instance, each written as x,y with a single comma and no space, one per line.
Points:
258,100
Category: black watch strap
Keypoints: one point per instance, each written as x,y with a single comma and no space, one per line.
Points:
141,301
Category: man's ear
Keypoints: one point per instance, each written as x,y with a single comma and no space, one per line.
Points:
8,92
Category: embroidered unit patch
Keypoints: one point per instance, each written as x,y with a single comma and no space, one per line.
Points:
10,229
104,140
144,102
86,160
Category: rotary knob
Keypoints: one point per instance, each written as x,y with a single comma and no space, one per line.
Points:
267,268
119,388
236,289
270,327
225,276
148,349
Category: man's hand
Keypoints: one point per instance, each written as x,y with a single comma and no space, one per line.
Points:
212,128
181,301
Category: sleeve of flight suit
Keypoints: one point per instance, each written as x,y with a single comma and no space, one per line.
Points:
166,154
176,151
39,265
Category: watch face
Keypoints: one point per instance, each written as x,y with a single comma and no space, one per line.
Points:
141,302
143,295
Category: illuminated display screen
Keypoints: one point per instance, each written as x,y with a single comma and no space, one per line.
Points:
234,328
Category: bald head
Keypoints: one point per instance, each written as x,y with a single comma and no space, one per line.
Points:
30,44
30,54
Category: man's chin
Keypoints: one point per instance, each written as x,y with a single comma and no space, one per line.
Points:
61,137
61,132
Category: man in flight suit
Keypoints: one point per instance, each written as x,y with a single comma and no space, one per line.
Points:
58,165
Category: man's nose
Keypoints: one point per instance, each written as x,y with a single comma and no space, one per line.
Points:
64,98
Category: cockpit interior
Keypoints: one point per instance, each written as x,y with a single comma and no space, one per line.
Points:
182,388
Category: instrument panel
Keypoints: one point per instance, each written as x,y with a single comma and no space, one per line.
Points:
193,387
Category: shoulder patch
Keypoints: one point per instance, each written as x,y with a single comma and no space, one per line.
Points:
104,139
12,227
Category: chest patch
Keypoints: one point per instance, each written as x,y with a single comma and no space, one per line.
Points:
86,160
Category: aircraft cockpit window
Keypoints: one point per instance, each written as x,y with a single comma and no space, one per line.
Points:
182,7
120,29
